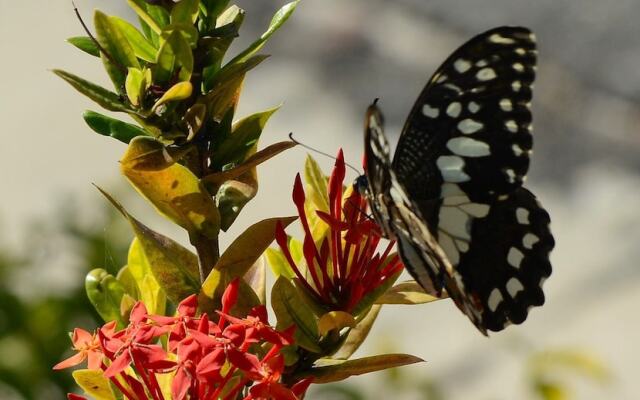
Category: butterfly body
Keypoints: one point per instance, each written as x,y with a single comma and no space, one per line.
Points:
452,197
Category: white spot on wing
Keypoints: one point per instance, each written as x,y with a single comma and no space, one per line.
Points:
517,150
522,215
455,222
495,298
506,105
454,109
511,126
446,242
462,245
468,147
511,175
514,286
451,169
476,210
450,190
520,51
473,107
497,38
486,74
429,111
514,258
529,240
469,126
516,85
518,67
461,65
482,63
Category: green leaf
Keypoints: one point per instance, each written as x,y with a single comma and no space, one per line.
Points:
369,299
278,20
357,335
151,293
141,8
279,264
212,289
340,370
406,293
112,127
153,155
194,119
174,191
177,92
226,30
186,11
106,98
175,51
244,135
174,267
251,162
249,246
85,44
291,309
316,189
121,55
128,282
135,85
256,277
229,76
142,48
165,62
214,7
94,383
233,195
240,257
335,320
105,293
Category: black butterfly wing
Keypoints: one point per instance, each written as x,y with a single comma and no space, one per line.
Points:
498,274
471,124
462,157
397,216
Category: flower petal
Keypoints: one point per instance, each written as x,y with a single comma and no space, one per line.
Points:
71,361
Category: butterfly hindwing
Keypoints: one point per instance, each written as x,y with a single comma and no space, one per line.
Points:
502,271
471,123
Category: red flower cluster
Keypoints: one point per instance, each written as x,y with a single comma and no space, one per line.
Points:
207,360
345,267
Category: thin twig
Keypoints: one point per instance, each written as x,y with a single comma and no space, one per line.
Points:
122,68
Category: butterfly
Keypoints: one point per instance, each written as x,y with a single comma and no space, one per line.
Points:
452,197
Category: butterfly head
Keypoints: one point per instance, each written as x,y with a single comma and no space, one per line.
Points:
361,184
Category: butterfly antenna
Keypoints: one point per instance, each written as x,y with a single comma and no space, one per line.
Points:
355,206
95,41
321,152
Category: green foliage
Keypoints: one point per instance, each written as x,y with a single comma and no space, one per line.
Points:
34,330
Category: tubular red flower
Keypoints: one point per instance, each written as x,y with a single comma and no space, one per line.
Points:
344,265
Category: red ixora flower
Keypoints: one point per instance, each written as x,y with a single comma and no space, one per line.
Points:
209,361
344,265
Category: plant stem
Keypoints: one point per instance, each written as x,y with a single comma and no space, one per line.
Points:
208,250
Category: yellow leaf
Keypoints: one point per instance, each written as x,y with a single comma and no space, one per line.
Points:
335,320
94,384
339,370
409,292
179,91
174,191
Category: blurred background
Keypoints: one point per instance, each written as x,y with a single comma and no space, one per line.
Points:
330,60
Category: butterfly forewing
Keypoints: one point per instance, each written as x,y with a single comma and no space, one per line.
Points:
471,123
